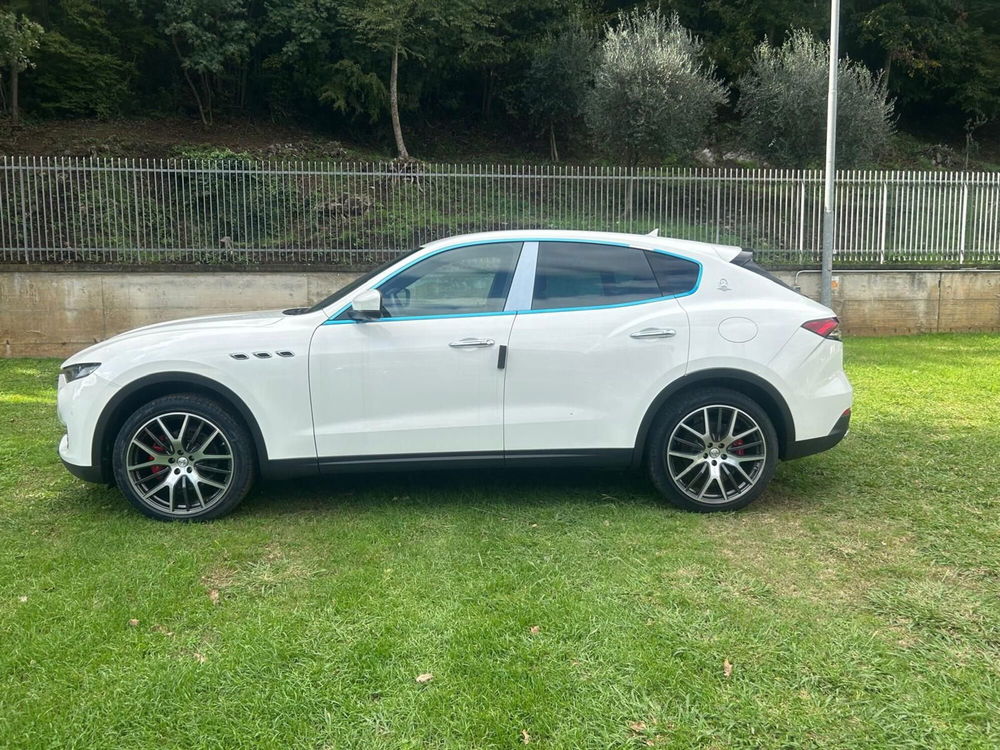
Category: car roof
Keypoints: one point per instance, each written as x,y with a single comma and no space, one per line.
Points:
686,247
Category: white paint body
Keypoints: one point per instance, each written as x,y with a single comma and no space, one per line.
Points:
574,379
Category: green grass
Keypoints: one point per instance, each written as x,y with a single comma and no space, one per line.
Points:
858,602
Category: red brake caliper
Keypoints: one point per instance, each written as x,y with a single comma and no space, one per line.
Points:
156,469
735,449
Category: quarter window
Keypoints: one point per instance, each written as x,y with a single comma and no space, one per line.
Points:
466,280
674,275
581,274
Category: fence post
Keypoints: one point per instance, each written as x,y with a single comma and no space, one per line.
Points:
802,217
882,223
962,219
22,179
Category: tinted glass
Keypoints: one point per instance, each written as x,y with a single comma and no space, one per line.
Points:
674,275
471,279
580,274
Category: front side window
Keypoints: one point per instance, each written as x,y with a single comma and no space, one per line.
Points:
466,280
581,274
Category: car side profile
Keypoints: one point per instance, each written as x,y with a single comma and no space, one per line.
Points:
517,348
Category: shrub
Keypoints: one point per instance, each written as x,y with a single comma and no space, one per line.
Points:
783,105
654,94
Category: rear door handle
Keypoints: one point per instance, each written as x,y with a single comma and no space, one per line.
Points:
654,333
471,343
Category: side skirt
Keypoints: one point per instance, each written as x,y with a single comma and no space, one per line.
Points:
596,457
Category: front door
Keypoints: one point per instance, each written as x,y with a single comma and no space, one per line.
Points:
423,380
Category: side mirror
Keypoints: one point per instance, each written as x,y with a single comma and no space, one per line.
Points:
367,305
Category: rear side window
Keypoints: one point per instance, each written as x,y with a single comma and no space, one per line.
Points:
582,274
674,275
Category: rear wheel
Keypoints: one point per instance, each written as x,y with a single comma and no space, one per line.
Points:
183,457
712,450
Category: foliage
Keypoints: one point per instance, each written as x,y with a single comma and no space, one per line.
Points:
467,62
856,601
19,38
558,81
654,93
783,105
210,38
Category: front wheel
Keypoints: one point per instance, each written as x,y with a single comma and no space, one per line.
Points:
712,450
183,457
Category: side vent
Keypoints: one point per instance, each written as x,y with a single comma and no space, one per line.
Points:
285,353
239,355
262,355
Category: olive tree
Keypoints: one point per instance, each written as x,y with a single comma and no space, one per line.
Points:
19,38
655,93
783,105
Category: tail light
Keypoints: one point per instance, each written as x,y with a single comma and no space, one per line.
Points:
828,328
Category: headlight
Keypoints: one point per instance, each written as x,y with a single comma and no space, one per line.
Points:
75,372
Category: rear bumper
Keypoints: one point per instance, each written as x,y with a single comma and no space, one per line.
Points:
801,448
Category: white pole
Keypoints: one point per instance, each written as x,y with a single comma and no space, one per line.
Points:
826,275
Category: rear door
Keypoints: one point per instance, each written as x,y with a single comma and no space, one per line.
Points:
602,338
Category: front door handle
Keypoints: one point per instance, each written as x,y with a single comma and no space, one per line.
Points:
654,333
471,343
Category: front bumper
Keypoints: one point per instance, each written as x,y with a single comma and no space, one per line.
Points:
86,473
801,448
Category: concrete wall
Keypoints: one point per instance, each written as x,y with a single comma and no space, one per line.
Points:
58,312
872,303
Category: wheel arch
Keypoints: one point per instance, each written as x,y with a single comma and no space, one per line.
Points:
145,389
751,385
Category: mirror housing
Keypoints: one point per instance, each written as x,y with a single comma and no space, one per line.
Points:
367,305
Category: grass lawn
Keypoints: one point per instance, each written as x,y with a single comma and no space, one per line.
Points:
856,605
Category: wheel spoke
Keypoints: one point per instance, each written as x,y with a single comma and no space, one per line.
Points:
156,489
690,466
180,435
704,487
158,461
170,437
210,482
197,491
678,454
208,440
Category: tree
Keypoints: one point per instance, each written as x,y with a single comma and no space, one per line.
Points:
559,79
654,94
208,37
19,38
783,105
410,29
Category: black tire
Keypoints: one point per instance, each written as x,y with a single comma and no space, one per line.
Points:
744,465
197,481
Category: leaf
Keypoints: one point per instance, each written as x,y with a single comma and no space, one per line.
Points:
534,630
727,668
133,623
525,737
214,596
201,658
22,599
424,678
638,727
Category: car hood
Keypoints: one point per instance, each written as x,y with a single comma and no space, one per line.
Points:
227,321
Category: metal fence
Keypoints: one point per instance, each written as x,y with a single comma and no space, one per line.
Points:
66,210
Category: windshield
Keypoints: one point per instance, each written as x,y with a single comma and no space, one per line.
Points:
358,282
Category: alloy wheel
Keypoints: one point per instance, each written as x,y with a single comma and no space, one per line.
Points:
179,463
716,454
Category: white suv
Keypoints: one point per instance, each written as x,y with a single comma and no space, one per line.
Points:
520,348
